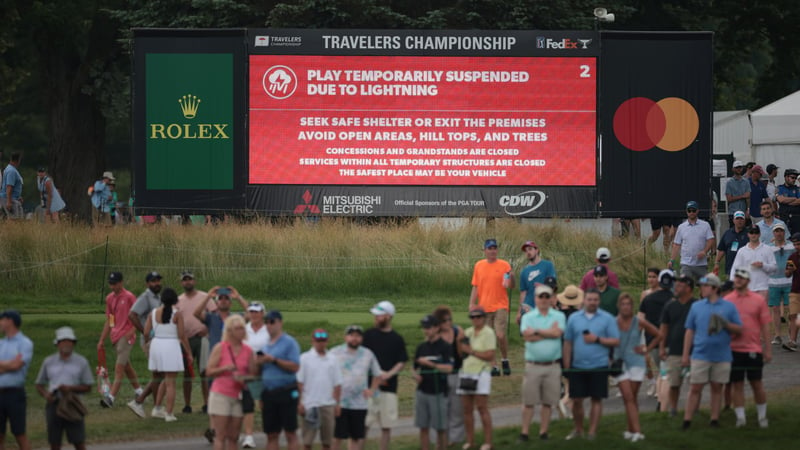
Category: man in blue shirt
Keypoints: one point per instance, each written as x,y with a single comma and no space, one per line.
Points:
789,200
589,335
758,192
535,273
101,197
279,361
16,352
737,192
709,326
11,189
542,328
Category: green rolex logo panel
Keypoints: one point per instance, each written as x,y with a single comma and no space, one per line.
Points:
189,120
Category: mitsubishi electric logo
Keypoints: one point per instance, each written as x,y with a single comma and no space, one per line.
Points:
306,205
189,106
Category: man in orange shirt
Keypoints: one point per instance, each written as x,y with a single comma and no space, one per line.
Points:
491,280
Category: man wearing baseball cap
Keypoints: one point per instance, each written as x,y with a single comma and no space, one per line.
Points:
758,260
433,361
533,274
123,336
772,186
491,279
196,333
602,257
16,353
779,284
710,325
358,364
737,192
390,349
693,240
319,382
788,196
64,374
149,300
731,241
758,192
673,328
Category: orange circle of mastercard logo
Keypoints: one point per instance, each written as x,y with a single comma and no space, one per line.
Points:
670,124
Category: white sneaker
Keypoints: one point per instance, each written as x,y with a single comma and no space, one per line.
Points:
137,408
763,422
158,412
169,418
248,442
740,422
651,389
636,437
627,435
562,406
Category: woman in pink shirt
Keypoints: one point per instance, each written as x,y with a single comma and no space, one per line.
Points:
230,363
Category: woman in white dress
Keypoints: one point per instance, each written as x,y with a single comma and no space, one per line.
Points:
165,331
51,200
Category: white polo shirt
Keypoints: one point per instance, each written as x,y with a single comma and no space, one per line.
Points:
319,375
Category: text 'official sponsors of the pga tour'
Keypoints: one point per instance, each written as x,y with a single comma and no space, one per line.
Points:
523,203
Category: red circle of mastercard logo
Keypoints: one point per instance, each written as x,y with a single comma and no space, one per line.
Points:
670,124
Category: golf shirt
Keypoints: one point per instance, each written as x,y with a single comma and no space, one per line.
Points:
593,355
754,312
10,347
692,238
272,376
547,349
715,347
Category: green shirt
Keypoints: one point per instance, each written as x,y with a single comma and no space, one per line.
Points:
485,340
545,350
608,300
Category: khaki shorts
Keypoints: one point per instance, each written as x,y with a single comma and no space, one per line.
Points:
382,410
794,303
541,384
327,419
222,405
702,372
498,321
674,371
123,349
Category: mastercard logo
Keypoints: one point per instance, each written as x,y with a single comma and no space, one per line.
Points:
670,124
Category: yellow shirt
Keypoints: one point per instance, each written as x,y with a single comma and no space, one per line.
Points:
485,340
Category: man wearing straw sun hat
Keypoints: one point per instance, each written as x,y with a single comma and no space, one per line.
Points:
569,301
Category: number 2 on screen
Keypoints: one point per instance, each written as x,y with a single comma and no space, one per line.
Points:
586,71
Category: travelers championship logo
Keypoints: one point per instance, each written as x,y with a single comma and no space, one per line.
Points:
279,82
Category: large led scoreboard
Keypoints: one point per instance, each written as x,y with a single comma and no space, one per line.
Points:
421,122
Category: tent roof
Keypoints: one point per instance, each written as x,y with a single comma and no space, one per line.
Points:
778,122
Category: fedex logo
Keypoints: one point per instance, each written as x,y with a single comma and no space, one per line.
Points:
562,44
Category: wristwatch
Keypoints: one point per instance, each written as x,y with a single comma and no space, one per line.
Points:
597,341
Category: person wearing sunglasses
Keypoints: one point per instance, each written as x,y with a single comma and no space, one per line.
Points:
779,284
731,241
789,200
737,192
541,328
758,260
693,241
319,382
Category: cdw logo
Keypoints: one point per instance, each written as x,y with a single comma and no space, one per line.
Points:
517,205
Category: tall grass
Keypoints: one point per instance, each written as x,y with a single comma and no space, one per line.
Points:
331,265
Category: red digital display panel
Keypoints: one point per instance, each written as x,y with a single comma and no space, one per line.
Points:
422,120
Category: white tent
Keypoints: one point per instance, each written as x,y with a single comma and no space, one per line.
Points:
776,133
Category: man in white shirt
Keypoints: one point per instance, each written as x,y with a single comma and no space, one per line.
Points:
693,240
319,382
758,260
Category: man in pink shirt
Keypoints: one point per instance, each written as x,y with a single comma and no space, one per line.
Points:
603,257
123,336
749,355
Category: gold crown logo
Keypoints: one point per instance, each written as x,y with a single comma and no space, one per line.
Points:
189,104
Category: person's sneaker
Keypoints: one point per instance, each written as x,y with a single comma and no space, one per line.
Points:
673,412
106,402
170,418
777,341
158,412
651,388
523,438
495,372
506,368
248,442
740,422
137,408
763,422
544,437
627,435
204,409
574,434
209,435
790,345
714,424
187,409
591,437
783,319
562,406
686,425
636,437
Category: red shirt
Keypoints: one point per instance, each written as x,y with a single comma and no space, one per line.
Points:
754,313
119,306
